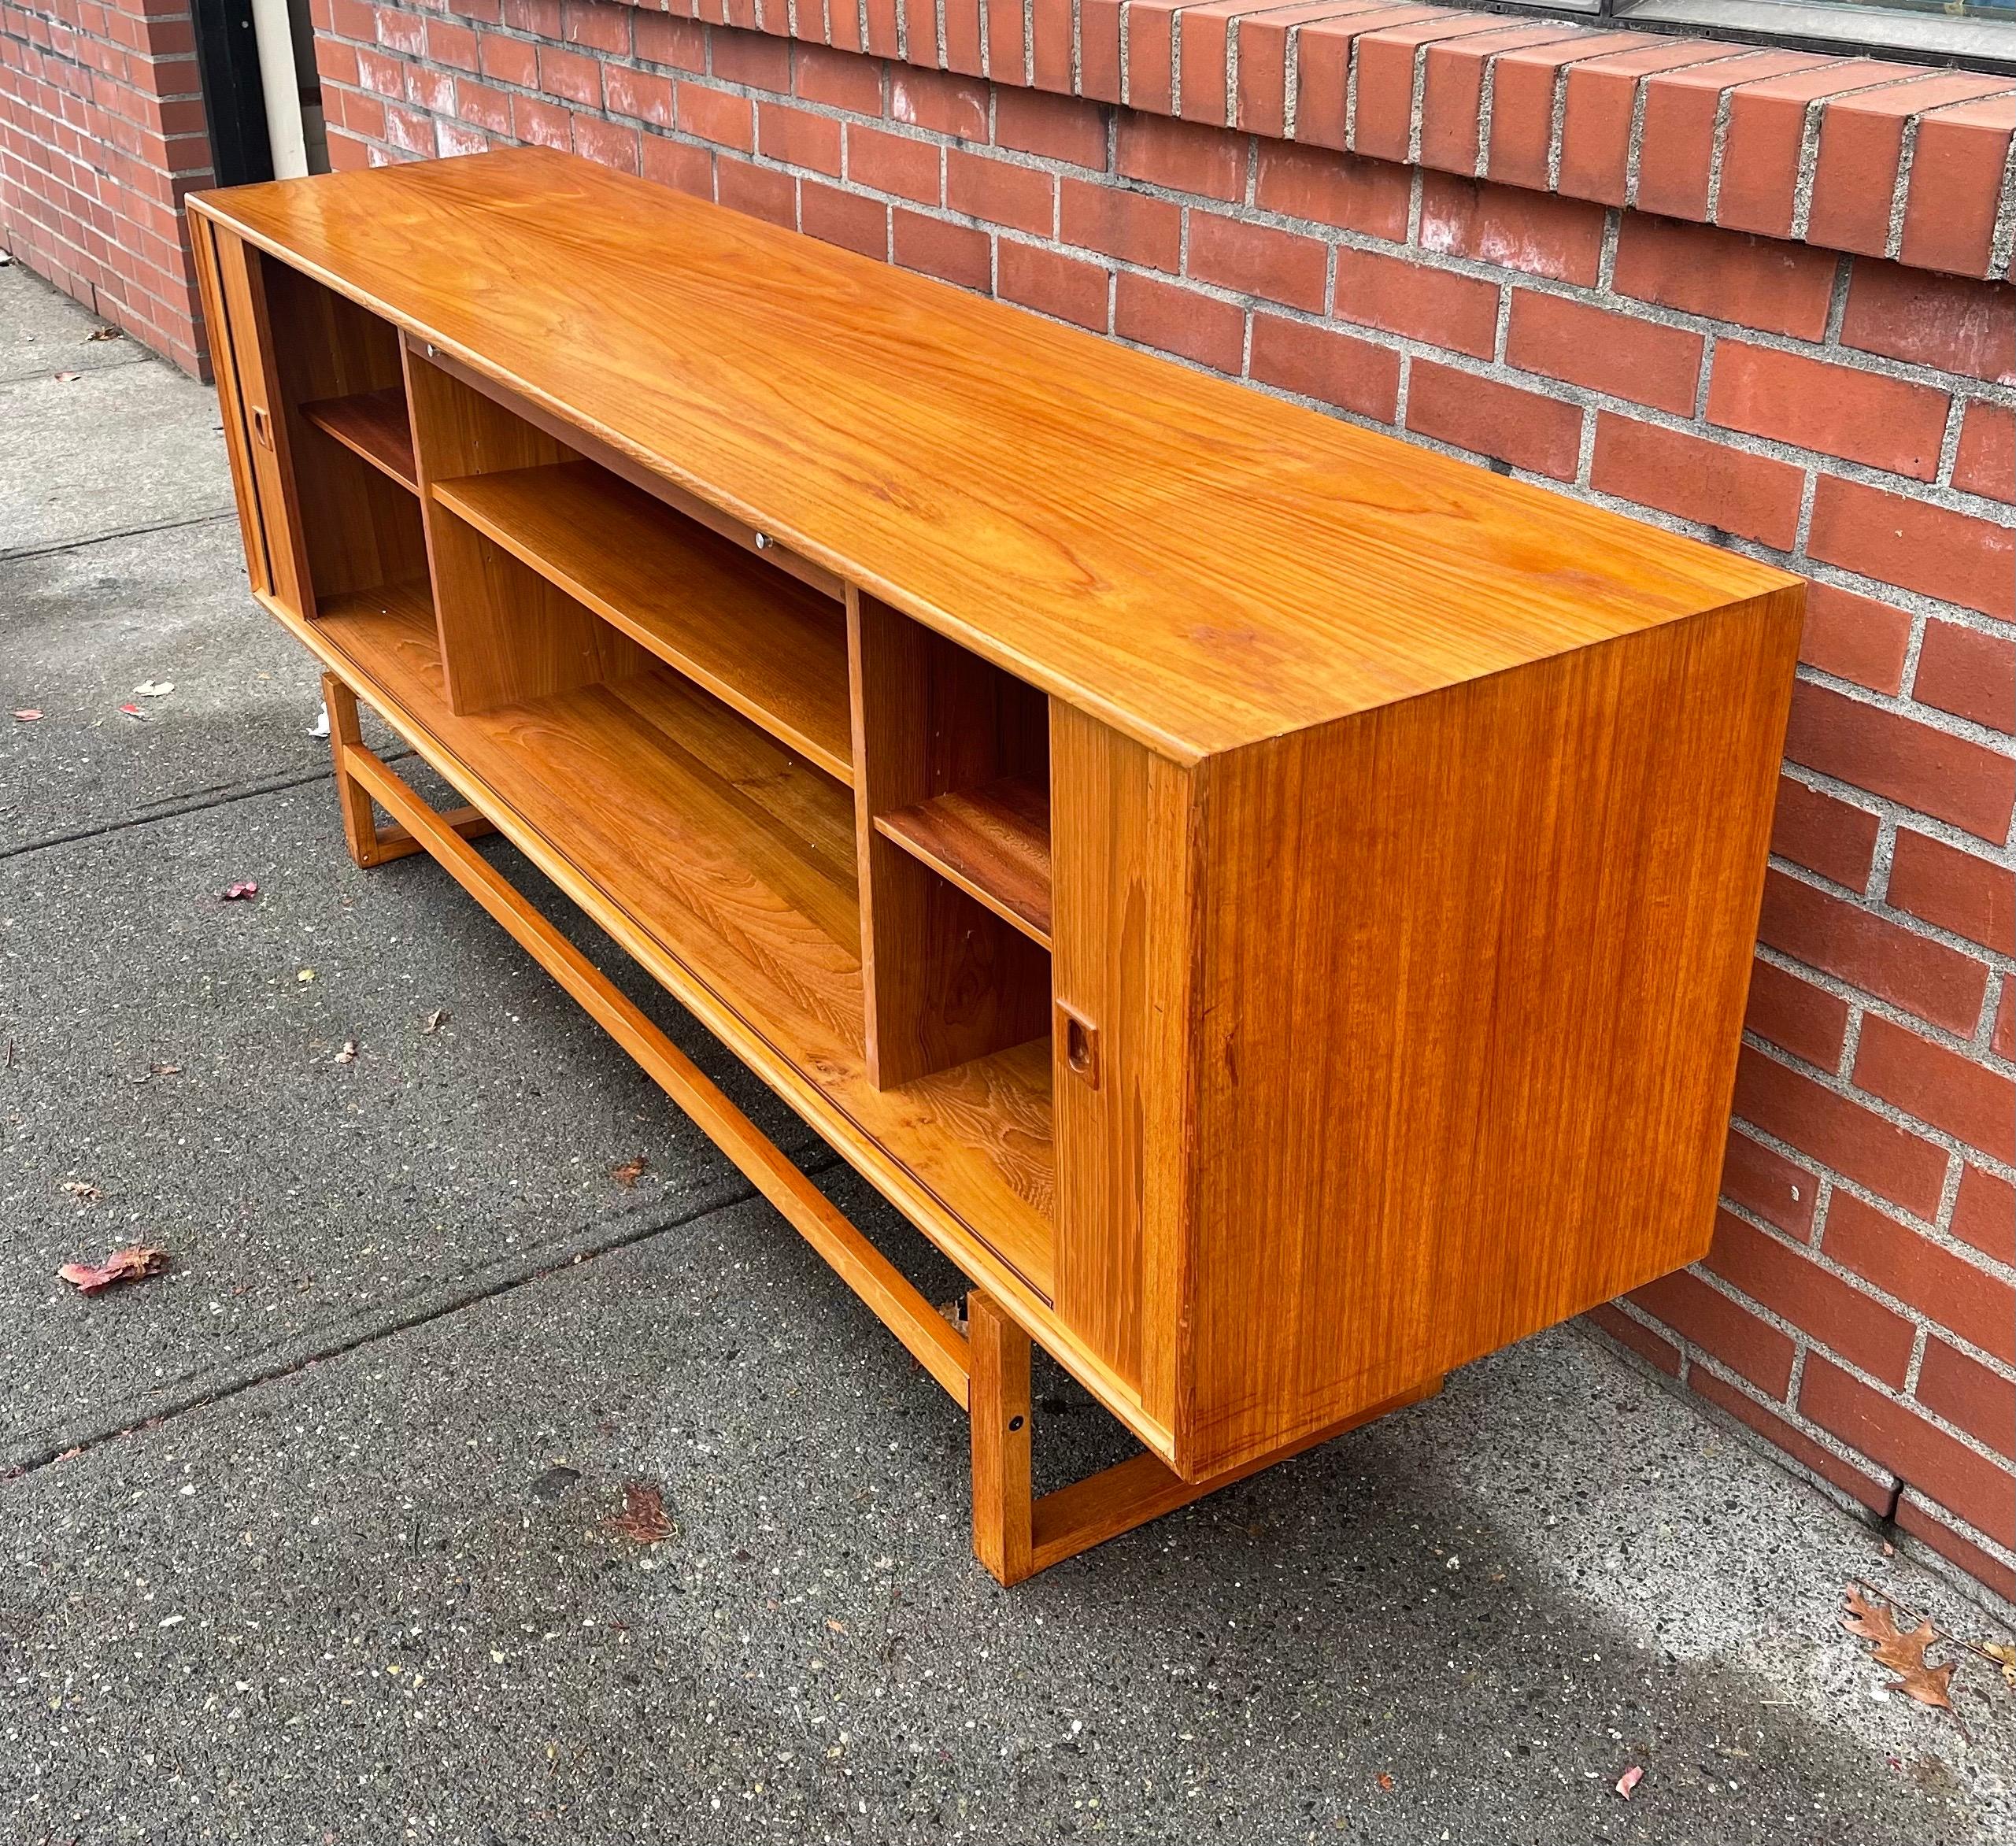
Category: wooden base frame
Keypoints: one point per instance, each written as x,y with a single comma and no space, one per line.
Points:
985,1370
369,843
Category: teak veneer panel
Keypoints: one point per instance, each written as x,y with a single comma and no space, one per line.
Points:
1468,1072
756,639
1198,564
1127,828
994,842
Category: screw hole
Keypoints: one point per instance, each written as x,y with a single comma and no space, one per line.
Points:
1014,1423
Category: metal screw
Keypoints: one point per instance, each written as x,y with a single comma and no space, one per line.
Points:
763,542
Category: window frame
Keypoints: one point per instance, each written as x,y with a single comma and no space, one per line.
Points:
1978,42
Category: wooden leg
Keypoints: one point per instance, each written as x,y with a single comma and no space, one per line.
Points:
359,824
1015,1535
1089,1512
987,1372
369,843
998,1404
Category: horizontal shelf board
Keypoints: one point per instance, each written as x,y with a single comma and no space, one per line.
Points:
672,809
758,640
373,425
994,842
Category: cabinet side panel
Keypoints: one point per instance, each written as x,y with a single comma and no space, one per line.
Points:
1121,842
1471,996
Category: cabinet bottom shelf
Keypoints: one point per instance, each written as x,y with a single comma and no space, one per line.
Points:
655,801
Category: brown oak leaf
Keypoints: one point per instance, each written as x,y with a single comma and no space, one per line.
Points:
629,1172
127,1265
1903,1654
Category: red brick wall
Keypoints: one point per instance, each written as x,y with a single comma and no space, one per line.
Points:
1597,314
101,132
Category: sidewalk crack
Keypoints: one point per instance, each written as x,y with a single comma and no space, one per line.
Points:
258,1369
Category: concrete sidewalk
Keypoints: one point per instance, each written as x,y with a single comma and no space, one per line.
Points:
309,1540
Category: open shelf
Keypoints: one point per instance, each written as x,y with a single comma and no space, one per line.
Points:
372,425
760,641
654,800
994,842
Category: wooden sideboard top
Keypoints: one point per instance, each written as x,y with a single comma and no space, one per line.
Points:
1199,564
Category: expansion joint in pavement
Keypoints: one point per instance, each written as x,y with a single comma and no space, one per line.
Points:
193,804
91,538
361,1331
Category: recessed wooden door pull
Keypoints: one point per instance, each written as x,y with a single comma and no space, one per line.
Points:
1079,1039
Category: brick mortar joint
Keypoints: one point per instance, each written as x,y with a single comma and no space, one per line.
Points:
1711,51
1965,388
1804,1341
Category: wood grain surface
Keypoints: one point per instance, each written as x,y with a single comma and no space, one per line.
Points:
756,639
1469,995
372,424
1199,564
993,842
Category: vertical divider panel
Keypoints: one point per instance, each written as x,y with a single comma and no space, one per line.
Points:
944,979
507,634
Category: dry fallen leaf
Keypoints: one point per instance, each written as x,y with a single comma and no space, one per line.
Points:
1903,1654
643,1520
434,1022
1384,1779
245,888
106,333
629,1172
83,1191
27,715
1629,1779
127,1265
154,688
349,1054
2003,1654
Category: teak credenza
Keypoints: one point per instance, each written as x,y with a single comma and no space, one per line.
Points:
1273,905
